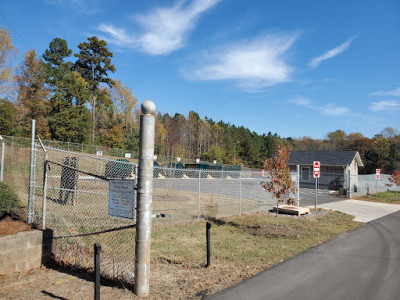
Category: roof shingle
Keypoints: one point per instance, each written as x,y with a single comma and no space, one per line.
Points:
330,158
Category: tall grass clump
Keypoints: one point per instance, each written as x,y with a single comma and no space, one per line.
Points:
8,199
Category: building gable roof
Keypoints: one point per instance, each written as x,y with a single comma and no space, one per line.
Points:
327,158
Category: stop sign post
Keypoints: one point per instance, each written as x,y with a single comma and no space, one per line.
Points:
317,173
378,176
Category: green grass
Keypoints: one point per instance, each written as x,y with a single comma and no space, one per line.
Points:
391,197
248,239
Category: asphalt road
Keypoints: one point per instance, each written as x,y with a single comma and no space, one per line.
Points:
361,264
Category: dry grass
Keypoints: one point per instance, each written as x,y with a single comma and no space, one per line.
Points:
241,247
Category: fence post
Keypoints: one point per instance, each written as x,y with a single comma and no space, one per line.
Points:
44,205
3,150
240,192
298,185
97,250
349,176
198,196
32,176
144,199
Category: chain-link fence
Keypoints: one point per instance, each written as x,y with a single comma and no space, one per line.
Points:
326,181
369,185
70,195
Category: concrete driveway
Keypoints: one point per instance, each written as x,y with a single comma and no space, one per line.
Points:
364,211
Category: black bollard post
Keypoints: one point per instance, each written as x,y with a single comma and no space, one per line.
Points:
208,227
97,250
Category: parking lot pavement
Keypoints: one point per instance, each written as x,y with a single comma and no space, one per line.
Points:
307,197
364,211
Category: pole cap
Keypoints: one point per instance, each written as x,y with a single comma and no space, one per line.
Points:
148,107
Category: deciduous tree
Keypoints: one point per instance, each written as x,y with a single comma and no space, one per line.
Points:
32,95
280,184
395,179
7,53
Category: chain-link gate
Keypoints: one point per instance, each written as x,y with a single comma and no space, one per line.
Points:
75,197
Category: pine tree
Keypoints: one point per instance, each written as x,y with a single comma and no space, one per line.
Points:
94,64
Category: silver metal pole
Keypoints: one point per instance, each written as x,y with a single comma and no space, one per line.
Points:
298,185
44,202
44,205
198,196
32,176
144,199
316,194
135,192
3,150
349,176
240,192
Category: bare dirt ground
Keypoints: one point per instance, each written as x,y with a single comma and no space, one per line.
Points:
47,283
10,225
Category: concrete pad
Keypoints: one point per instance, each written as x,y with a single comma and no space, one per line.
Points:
292,210
364,211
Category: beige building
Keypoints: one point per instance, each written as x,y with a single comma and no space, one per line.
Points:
335,167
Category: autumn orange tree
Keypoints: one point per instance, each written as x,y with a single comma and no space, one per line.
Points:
280,185
395,178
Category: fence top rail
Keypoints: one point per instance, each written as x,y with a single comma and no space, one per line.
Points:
89,156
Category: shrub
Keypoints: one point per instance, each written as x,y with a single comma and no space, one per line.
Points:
8,199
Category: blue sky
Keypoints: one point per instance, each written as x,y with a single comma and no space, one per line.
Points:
297,68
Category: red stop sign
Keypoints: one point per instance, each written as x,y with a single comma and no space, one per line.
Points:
317,171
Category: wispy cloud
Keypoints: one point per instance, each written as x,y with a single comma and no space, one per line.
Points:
327,109
395,92
316,61
253,64
387,105
163,29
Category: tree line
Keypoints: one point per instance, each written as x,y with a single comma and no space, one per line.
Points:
73,98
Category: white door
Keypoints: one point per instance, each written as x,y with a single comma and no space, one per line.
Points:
305,174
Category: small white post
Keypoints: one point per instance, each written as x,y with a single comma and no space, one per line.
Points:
298,185
3,150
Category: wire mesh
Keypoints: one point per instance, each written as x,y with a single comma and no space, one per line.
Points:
369,185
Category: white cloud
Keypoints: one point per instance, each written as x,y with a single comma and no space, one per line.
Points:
302,101
328,109
333,110
386,105
163,29
316,61
254,64
395,92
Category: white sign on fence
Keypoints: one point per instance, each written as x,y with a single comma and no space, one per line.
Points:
378,173
99,153
128,155
120,201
